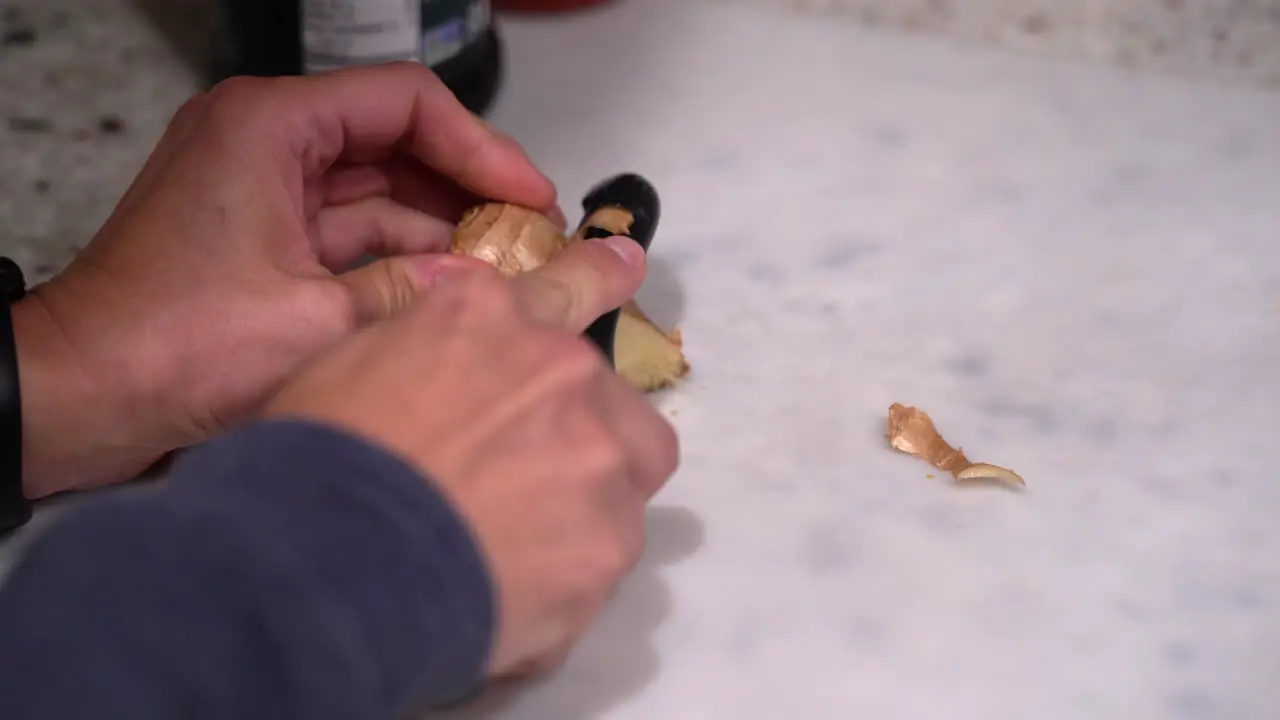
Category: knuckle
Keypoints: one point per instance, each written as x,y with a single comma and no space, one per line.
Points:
481,294
236,90
575,359
327,306
548,298
392,287
617,562
603,456
609,561
243,104
600,457
192,106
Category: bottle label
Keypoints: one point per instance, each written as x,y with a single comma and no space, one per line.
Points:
450,26
342,33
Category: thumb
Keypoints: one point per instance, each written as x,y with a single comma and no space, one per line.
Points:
586,280
383,288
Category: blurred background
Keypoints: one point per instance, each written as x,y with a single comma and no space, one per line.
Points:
87,85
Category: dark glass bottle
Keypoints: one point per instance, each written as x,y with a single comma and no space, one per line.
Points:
455,38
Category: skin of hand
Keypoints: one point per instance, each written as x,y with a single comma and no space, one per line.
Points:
486,385
229,261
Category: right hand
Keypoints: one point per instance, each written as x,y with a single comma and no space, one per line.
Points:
487,386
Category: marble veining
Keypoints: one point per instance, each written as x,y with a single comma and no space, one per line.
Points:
1072,268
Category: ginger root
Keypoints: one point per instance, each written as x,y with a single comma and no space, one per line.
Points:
516,240
911,431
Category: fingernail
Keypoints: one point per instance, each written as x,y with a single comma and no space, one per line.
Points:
557,216
629,250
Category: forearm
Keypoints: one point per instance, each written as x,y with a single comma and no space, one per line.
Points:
286,571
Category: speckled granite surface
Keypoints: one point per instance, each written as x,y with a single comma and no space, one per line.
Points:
87,88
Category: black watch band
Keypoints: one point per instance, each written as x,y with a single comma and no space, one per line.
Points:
15,509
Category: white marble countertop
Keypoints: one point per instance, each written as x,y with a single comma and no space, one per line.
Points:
1219,40
1073,269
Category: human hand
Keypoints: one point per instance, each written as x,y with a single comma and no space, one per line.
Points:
225,265
486,385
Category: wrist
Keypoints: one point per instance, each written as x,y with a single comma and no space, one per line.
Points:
66,416
45,387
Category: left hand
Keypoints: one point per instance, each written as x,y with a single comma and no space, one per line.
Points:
227,263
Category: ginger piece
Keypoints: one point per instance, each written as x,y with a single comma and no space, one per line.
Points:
516,240
911,431
511,238
647,358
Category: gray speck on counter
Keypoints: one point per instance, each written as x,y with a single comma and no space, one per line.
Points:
21,124
18,37
1035,23
110,125
970,366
